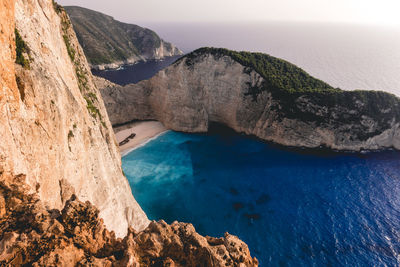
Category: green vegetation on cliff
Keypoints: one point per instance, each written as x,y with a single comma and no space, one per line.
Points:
58,8
21,50
80,71
300,95
278,74
105,40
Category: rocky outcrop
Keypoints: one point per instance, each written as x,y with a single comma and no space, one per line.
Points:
258,95
55,132
32,235
109,43
57,146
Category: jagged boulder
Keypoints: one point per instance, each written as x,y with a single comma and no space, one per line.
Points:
30,234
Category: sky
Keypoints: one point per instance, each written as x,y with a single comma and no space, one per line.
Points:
381,12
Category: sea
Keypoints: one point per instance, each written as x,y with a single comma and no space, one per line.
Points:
344,55
135,73
292,207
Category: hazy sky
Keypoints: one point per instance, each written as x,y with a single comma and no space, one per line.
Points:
353,11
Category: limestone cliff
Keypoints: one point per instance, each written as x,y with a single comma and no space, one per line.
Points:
109,43
54,128
259,95
57,145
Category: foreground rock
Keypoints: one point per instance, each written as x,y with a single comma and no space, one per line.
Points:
109,43
54,128
32,235
259,95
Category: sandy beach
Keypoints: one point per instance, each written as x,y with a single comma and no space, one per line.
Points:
144,130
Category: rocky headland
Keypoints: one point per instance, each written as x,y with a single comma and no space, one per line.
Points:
259,95
109,43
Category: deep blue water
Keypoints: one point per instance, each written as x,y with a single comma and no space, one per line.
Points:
291,208
136,72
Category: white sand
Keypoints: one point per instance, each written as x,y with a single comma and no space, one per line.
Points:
145,131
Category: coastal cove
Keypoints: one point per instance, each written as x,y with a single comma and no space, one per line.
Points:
291,208
260,143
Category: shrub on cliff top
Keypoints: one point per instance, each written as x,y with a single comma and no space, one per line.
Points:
21,48
289,84
278,74
58,8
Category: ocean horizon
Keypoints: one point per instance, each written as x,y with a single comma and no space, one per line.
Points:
348,56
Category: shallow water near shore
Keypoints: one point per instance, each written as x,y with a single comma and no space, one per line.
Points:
291,208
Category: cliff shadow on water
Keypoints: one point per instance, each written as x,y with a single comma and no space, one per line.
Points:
292,207
220,129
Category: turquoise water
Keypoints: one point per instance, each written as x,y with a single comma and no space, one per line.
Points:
291,208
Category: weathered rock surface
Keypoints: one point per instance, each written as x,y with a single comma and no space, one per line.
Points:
32,235
54,128
210,85
109,43
57,145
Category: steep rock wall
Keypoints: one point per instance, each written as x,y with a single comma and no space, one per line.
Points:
193,92
53,125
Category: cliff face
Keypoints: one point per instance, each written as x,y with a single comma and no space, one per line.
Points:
109,43
57,145
264,96
54,128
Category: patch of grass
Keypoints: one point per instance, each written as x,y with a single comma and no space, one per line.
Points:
70,49
92,95
22,49
82,78
58,8
80,73
93,110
